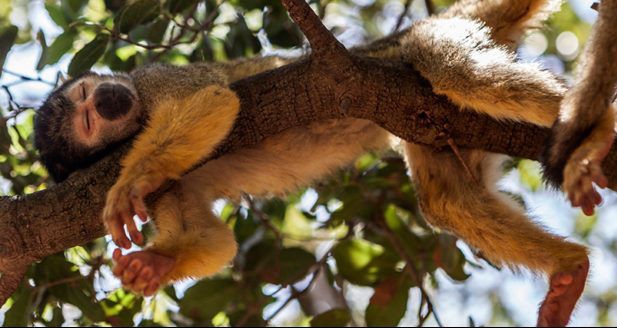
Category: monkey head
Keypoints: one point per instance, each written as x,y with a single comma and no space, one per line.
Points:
83,119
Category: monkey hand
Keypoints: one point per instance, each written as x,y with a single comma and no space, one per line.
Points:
584,168
124,200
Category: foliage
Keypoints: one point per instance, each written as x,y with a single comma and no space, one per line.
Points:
362,227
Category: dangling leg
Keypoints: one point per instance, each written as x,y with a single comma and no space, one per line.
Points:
494,224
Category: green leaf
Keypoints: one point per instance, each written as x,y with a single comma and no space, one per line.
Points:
448,257
280,29
82,297
114,5
207,298
137,13
156,31
57,15
389,302
120,307
57,318
176,6
392,217
240,41
78,292
89,54
61,45
332,318
354,206
73,6
293,265
41,38
279,266
245,227
362,262
17,315
8,35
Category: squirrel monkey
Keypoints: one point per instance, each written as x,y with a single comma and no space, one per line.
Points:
186,111
584,133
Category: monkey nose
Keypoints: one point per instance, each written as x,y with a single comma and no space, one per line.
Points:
112,100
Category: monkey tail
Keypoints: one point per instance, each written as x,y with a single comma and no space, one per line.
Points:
508,19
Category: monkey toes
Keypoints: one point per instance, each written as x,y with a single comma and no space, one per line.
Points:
564,290
142,271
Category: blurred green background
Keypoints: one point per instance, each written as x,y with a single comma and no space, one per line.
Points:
351,250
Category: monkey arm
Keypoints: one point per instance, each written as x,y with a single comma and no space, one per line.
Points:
171,144
190,242
584,165
584,132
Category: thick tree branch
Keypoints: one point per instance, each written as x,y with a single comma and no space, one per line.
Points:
389,93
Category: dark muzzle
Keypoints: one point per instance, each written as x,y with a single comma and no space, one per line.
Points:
112,100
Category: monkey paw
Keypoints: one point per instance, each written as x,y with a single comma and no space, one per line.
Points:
565,290
582,170
125,199
142,272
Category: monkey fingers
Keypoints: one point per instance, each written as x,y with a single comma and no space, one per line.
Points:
118,213
578,183
142,272
585,168
140,188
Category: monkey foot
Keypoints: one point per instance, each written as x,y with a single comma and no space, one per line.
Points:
142,271
565,290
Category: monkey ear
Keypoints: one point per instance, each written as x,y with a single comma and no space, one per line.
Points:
61,78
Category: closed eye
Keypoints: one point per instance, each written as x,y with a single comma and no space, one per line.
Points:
83,91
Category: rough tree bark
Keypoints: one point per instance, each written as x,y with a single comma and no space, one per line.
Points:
331,83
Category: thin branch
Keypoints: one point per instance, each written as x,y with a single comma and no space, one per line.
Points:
174,41
295,293
27,78
410,269
263,218
402,16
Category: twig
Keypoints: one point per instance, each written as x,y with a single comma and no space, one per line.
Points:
171,44
15,107
401,17
314,269
411,271
460,158
295,293
27,78
262,217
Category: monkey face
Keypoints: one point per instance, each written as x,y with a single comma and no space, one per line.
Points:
105,110
83,118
